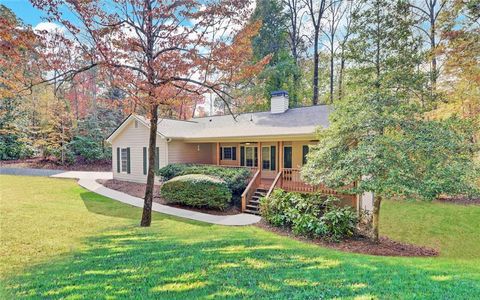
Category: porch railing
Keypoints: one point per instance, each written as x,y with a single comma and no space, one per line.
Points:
290,180
250,189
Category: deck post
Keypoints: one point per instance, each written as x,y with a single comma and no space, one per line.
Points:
218,154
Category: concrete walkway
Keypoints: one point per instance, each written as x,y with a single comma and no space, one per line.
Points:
88,181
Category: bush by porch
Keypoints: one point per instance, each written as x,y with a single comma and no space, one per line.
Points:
197,190
236,179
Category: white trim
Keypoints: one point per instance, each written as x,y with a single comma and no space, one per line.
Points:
126,123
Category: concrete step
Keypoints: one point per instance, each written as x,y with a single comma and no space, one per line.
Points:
253,212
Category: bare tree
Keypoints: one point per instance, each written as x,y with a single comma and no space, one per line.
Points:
295,13
316,10
334,14
428,12
352,7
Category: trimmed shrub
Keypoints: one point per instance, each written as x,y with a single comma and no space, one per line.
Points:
197,190
235,178
311,215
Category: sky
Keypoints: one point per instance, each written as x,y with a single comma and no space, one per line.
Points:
30,15
24,10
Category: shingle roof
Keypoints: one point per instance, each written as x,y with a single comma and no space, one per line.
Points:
296,121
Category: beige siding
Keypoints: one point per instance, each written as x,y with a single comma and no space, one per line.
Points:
181,152
297,151
136,139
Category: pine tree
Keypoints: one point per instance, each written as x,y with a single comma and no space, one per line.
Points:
272,40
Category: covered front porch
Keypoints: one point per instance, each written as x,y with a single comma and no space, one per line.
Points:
273,164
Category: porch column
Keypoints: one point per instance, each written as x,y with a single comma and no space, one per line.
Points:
239,157
259,145
218,154
280,156
277,162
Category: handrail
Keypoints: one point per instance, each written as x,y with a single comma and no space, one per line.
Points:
274,183
248,188
292,182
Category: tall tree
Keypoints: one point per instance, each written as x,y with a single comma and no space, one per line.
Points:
294,10
428,12
272,39
17,52
352,8
158,51
334,14
316,10
377,135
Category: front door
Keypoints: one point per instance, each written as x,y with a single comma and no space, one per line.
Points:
268,165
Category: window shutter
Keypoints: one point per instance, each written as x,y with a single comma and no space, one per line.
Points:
256,156
234,153
221,153
272,158
144,160
128,160
118,160
305,150
242,156
157,156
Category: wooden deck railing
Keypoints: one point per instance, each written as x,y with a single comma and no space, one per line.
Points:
277,182
291,181
250,189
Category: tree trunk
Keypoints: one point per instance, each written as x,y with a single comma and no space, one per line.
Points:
147,205
376,218
340,76
315,69
433,47
331,71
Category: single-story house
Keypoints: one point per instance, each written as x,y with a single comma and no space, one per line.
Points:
273,144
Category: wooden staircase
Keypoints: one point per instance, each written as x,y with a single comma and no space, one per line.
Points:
253,204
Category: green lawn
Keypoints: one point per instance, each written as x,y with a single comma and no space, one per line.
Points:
61,241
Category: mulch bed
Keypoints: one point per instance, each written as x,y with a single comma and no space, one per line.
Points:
386,247
460,200
40,163
138,190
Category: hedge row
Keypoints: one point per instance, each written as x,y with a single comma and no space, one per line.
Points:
197,190
235,178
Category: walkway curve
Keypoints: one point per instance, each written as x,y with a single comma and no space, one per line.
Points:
88,180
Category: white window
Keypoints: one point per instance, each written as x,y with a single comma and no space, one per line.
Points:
250,157
228,153
266,158
136,124
123,157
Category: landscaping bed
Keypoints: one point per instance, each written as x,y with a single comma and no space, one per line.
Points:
41,163
360,244
460,200
138,190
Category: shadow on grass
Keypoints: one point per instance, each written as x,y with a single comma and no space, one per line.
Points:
103,206
193,262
